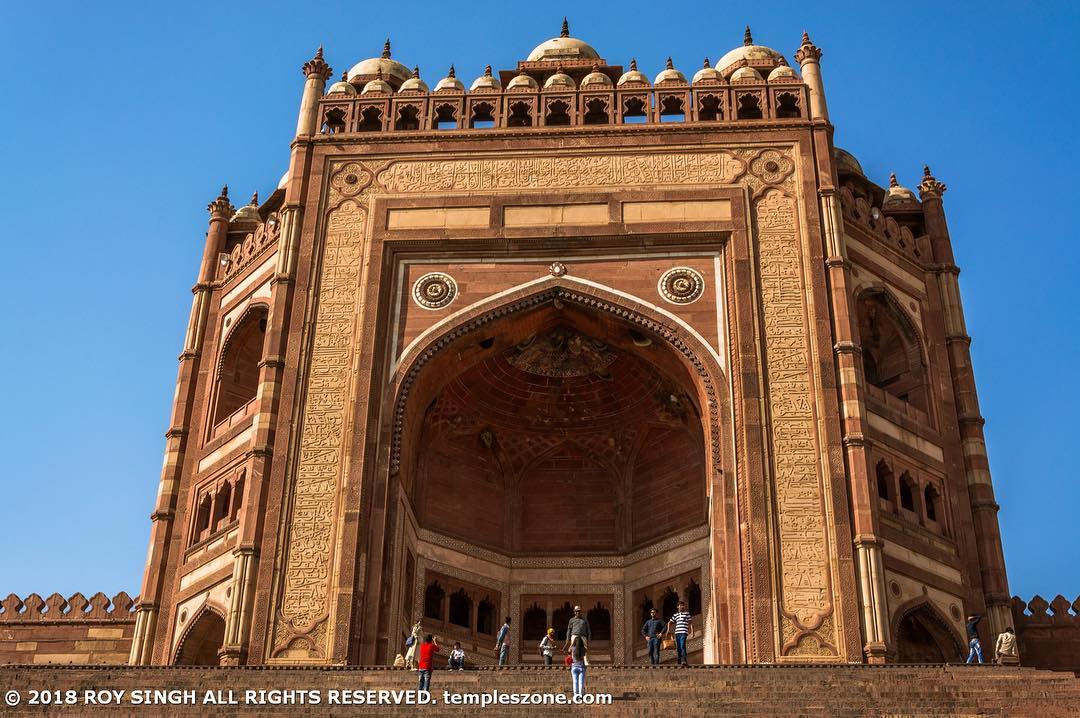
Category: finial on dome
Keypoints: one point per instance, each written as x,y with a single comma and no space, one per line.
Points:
317,66
705,64
386,49
633,63
565,32
806,38
378,73
487,70
782,61
344,75
451,73
595,68
669,66
416,71
747,38
892,180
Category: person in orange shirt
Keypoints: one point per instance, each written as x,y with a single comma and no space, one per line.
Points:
423,667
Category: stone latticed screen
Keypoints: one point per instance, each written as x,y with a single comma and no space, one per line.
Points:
569,337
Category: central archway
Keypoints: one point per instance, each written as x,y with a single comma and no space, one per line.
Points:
562,446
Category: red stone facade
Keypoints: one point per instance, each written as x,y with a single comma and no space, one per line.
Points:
574,336
73,630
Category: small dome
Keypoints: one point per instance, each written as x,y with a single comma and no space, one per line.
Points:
563,47
707,74
342,87
749,53
897,195
450,82
670,74
523,82
746,74
414,83
249,213
596,79
632,76
845,161
559,81
284,181
783,71
392,70
487,81
378,85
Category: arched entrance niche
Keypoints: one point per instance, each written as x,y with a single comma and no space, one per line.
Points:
563,446
201,641
923,636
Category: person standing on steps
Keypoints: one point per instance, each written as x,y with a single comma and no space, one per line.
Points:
502,643
652,631
974,647
578,626
412,644
547,646
683,629
423,666
578,648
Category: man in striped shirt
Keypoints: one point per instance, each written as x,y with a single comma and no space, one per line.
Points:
682,629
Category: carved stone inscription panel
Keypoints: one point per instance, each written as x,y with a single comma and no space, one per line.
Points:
806,596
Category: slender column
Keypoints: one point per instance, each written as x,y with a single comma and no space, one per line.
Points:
238,621
809,59
976,465
161,528
317,72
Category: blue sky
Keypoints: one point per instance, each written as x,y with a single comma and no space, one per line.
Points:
124,119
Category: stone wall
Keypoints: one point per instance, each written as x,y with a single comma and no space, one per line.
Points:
1048,633
76,630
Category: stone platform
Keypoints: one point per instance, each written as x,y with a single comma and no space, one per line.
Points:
811,690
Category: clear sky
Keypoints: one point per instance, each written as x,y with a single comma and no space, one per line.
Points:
122,121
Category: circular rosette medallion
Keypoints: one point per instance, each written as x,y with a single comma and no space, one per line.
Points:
434,290
350,180
681,285
772,167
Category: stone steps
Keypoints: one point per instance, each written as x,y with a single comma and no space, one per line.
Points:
809,690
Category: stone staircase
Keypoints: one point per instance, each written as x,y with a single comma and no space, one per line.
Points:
760,690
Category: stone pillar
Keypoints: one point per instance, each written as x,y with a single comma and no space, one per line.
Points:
976,465
317,72
809,59
238,621
161,530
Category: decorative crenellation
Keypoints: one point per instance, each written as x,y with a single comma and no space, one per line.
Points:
858,210
75,608
1039,612
251,247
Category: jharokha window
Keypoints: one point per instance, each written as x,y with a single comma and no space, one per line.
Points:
892,355
238,375
458,609
217,506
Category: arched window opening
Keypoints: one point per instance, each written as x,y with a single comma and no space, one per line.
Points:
408,118
520,115
646,607
560,619
445,118
202,519
558,114
892,356
483,116
634,111
669,603
461,609
599,623
238,380
371,120
534,625
709,108
922,637
203,640
334,121
221,507
596,112
884,481
907,492
672,110
749,108
237,497
433,599
693,598
930,499
485,617
787,106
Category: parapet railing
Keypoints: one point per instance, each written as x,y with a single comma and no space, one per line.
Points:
76,608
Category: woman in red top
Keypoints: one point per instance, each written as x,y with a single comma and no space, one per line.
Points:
423,667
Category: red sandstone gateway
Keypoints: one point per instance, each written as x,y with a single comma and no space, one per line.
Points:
569,337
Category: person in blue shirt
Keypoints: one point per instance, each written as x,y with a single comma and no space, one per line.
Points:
652,631
974,647
502,643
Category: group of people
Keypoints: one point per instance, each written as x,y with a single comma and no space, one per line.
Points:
1006,652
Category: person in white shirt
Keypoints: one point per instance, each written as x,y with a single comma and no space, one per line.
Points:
1005,650
547,646
457,658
